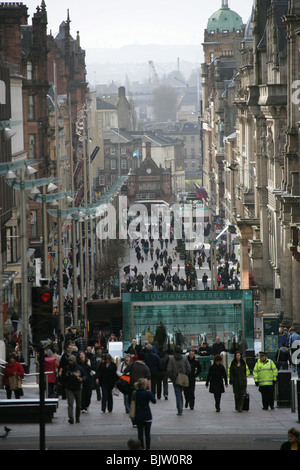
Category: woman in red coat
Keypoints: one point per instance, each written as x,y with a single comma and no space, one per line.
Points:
51,365
13,370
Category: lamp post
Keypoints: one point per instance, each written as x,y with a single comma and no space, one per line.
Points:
74,232
23,185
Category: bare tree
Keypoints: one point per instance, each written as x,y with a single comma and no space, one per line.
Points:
108,268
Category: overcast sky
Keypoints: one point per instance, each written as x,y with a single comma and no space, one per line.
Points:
115,23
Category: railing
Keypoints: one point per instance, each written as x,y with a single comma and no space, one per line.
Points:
31,375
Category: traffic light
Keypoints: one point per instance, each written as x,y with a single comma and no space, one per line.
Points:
42,322
187,268
231,229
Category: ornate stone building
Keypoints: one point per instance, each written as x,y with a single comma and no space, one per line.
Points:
258,162
261,98
222,37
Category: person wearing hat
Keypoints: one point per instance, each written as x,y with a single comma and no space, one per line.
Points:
265,375
75,375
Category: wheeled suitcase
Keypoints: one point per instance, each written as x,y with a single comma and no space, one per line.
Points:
246,401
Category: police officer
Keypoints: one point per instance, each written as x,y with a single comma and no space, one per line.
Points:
265,376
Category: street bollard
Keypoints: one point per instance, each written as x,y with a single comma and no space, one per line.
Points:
298,398
293,396
283,389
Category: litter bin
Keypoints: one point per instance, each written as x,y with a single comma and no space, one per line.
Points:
205,365
284,389
250,359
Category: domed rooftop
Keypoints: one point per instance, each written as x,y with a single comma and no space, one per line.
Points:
224,20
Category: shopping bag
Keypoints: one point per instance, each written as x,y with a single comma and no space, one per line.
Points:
132,409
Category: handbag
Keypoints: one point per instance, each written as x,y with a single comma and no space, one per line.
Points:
181,379
14,382
132,409
123,384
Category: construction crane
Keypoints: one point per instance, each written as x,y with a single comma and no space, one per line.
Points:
155,76
182,94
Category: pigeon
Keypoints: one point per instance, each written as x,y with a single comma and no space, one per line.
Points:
6,429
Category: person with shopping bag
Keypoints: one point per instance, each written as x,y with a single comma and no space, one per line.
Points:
12,378
143,416
178,371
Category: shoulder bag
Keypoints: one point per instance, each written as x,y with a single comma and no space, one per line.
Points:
181,379
132,409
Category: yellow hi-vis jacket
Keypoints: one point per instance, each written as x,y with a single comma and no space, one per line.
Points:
265,373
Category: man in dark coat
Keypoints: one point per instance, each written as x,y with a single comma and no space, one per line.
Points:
189,392
153,361
74,377
218,346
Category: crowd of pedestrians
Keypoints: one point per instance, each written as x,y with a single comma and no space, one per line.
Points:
77,369
166,272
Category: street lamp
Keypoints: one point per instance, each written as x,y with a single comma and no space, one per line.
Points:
23,185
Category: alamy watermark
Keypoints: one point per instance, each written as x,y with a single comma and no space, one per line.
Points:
296,354
138,221
296,94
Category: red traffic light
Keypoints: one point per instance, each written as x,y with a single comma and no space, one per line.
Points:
45,296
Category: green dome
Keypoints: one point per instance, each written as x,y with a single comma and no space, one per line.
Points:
224,20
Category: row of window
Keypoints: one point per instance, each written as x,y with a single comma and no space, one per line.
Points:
114,150
114,164
191,153
149,186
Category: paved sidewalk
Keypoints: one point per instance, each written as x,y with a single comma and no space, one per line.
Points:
203,421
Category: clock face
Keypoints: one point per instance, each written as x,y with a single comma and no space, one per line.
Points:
149,170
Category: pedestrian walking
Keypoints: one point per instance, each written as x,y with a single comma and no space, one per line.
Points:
63,363
51,366
152,360
218,347
120,371
283,357
74,377
15,320
178,365
143,415
238,372
216,378
137,370
107,377
87,385
162,377
189,392
265,375
204,281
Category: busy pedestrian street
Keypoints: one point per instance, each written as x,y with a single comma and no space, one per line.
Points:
160,266
198,429
150,229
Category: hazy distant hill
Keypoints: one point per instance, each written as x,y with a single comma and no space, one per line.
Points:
106,65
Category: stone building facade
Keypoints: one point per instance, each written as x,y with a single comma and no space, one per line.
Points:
256,167
149,181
